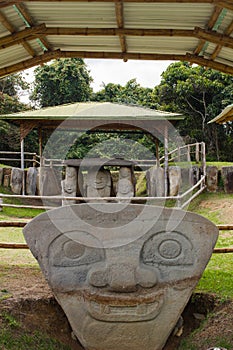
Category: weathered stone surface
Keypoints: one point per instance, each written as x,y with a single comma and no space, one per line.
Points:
212,178
16,182
155,182
194,174
122,273
126,183
31,181
227,175
174,174
47,182
6,180
69,185
1,175
98,183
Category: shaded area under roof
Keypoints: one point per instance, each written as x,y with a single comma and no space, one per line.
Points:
33,32
225,116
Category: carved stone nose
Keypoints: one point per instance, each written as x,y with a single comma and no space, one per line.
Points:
122,278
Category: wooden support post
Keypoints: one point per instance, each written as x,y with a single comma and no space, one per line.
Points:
157,152
22,165
166,160
197,156
188,154
178,154
40,143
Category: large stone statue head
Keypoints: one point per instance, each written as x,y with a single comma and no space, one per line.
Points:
122,273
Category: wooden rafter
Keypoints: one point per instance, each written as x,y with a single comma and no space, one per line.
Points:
13,32
6,23
47,56
213,19
23,34
24,12
218,48
119,8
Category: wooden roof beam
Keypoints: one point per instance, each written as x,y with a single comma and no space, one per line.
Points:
11,29
213,19
218,48
41,30
23,34
6,23
119,9
223,3
30,22
47,56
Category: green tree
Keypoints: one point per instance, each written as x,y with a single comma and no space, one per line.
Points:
131,93
63,81
10,89
200,94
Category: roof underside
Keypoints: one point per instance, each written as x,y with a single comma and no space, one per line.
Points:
33,32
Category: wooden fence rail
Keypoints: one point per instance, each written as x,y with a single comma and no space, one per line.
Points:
223,250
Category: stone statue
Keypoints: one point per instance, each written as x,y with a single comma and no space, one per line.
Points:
155,181
123,275
31,181
69,185
16,181
212,178
98,183
126,183
174,174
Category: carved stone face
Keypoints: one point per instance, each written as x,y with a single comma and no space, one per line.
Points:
125,188
99,179
125,172
70,182
123,275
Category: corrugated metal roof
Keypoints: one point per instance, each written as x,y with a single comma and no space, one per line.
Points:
201,22
93,111
225,116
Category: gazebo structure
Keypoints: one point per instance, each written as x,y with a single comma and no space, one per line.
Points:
96,117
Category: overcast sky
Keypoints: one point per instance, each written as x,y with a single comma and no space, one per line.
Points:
147,73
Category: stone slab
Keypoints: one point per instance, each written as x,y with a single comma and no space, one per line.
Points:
212,178
31,181
174,175
227,176
16,181
123,273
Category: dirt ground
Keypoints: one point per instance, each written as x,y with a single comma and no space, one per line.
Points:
25,294
28,298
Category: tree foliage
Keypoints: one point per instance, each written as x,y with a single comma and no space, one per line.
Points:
63,81
200,94
131,93
10,89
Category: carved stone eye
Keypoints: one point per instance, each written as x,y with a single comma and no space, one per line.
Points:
167,248
170,249
73,250
66,252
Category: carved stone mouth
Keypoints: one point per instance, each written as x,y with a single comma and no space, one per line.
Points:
123,308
